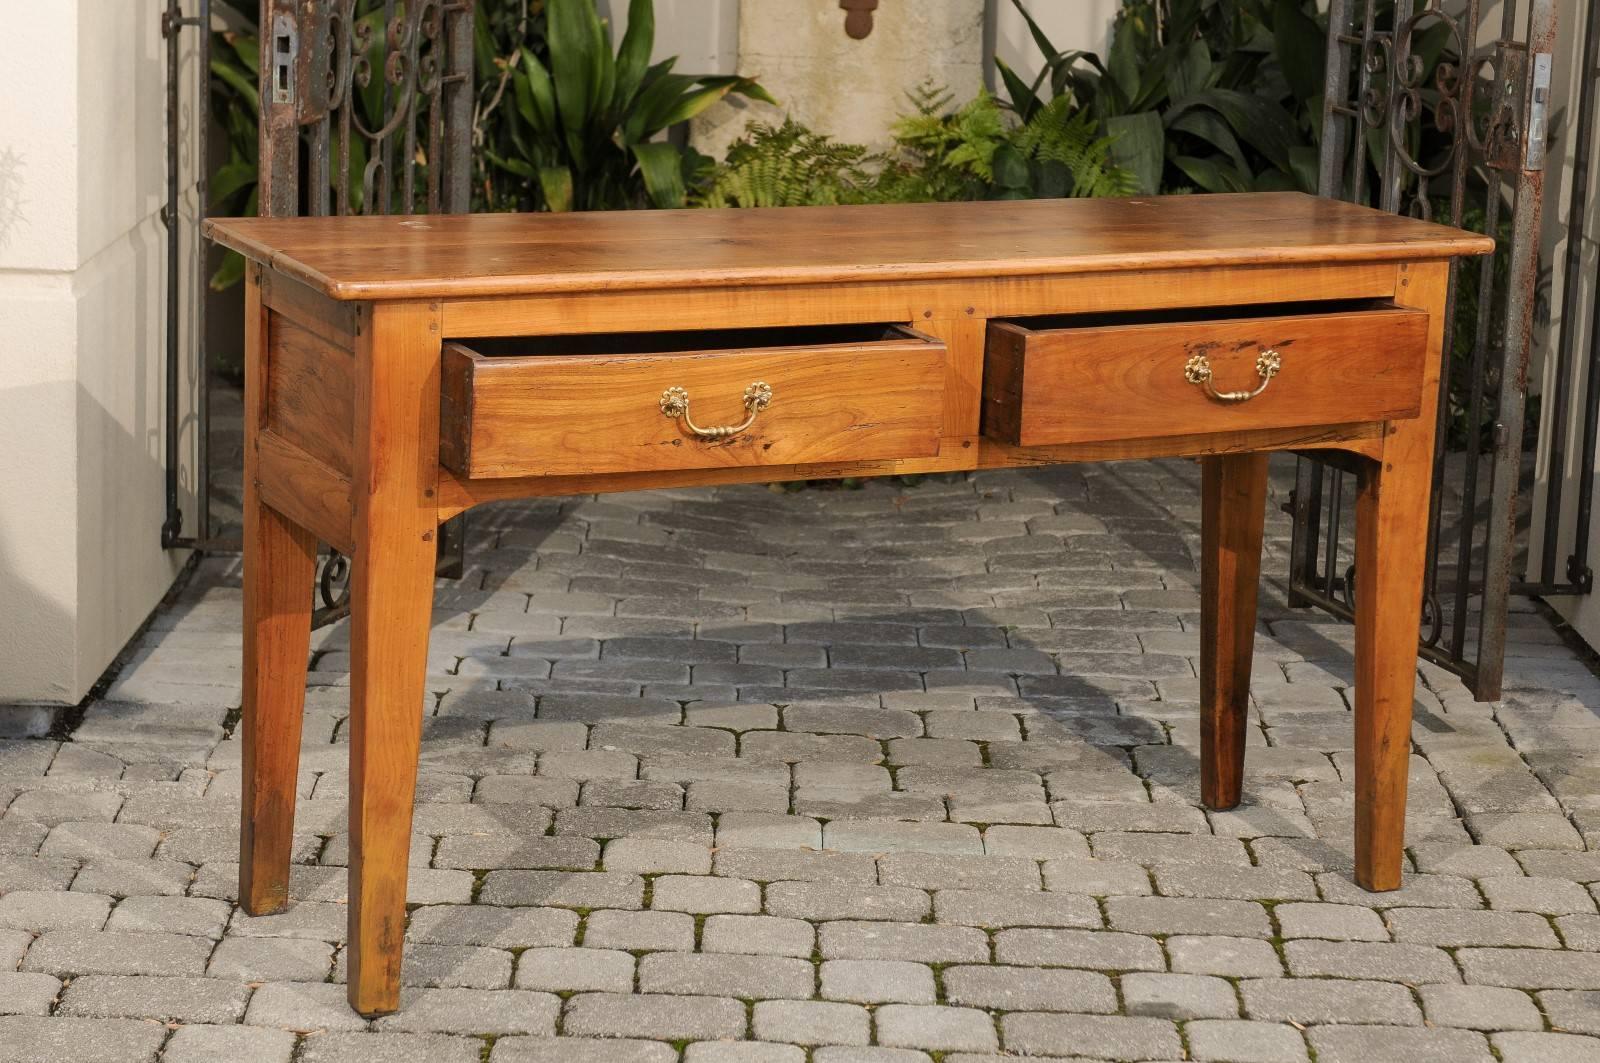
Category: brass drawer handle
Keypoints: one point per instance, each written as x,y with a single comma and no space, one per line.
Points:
675,404
1198,371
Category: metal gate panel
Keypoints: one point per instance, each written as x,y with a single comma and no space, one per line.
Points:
1418,118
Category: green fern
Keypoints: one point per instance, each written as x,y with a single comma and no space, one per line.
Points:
1057,134
786,166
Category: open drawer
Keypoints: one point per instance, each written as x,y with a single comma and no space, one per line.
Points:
1094,377
651,402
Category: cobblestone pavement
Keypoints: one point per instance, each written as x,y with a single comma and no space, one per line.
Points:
884,776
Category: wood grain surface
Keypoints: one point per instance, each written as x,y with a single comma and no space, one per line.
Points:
411,257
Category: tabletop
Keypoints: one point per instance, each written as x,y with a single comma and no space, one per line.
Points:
466,255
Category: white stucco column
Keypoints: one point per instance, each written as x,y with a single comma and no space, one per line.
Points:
82,174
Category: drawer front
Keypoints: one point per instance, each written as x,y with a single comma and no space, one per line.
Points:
1109,382
567,415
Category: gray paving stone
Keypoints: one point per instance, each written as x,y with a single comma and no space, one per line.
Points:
1334,922
1028,989
79,952
1179,915
705,894
23,993
1106,1036
935,1027
209,1044
1359,1044
868,836
388,1048
1015,908
819,901
612,929
880,982
39,911
757,935
664,1015
1094,949
1178,996
473,1012
811,1022
302,1006
1545,1047
959,871
31,1039
199,916
1224,956
580,1050
481,924
197,1000
567,970
1245,1041
770,865
850,1054
1313,1000
1458,928
1472,1007
722,974
1382,960
1526,968
597,889
917,942
271,960
1548,896
742,1052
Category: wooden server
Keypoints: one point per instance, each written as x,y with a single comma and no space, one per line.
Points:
402,370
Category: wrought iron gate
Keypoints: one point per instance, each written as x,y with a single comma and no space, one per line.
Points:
365,108
1419,118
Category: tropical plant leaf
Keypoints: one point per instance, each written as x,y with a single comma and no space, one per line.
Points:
1213,175
661,166
1301,48
556,184
633,58
1138,144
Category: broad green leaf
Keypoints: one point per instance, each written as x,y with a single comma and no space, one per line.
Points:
1210,127
1046,48
633,58
1305,168
556,184
1122,62
516,166
228,274
1301,48
1191,72
1023,99
578,59
1138,145
661,166
1212,175
230,178
535,80
237,80
1259,122
248,48
1010,168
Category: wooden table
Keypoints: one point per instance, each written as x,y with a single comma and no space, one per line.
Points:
402,370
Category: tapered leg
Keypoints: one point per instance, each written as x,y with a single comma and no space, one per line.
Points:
1391,539
1391,559
1233,495
391,597
279,561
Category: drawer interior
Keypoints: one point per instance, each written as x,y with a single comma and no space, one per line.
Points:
682,342
1198,314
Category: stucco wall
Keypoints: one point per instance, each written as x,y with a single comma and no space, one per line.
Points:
82,254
